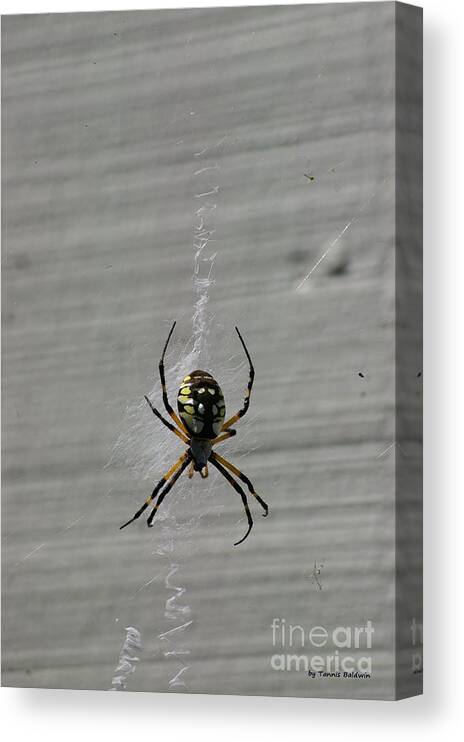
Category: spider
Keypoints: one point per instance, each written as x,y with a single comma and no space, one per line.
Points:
200,424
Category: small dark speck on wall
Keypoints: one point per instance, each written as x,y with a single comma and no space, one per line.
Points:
360,373
340,268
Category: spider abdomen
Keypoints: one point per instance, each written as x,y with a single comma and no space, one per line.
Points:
201,406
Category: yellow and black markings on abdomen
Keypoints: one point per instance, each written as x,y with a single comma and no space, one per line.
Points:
201,405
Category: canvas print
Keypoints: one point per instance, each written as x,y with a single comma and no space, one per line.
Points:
212,327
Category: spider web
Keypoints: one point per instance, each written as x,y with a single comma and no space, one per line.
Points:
148,450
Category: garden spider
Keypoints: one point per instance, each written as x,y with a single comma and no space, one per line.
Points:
201,425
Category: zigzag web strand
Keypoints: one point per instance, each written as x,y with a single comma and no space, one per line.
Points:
177,614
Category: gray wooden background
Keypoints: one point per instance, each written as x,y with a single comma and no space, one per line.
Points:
109,121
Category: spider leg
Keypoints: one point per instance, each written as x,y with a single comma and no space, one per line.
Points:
169,425
236,487
181,462
246,401
168,487
168,407
240,475
204,473
223,437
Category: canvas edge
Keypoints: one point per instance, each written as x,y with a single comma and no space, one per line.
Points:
408,349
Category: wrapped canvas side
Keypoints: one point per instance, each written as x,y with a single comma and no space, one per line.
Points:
408,350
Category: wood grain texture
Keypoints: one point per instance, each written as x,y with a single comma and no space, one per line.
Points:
107,117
